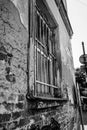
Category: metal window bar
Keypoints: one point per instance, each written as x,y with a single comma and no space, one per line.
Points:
42,48
39,82
49,74
40,58
44,56
35,57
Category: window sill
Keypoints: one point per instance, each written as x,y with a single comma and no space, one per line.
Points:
41,103
46,98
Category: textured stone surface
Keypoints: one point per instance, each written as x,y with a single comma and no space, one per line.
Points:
14,38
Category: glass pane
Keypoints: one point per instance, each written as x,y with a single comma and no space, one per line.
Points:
43,71
39,66
45,35
38,27
51,71
50,43
46,78
46,71
49,76
37,88
45,89
41,30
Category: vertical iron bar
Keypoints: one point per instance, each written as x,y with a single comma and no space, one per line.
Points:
40,56
35,56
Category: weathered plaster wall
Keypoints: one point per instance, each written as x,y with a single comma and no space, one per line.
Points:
65,47
14,38
22,6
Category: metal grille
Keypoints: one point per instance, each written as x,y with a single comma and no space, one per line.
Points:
45,60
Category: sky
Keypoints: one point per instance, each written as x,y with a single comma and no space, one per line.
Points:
77,12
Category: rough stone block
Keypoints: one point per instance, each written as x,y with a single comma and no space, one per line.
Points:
5,117
21,97
12,125
16,115
8,106
23,122
20,105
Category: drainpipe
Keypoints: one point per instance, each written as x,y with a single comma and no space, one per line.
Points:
28,47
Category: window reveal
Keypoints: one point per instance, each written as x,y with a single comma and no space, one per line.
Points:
45,62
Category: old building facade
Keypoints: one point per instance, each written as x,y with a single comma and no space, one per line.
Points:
36,66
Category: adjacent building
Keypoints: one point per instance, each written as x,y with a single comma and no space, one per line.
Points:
36,66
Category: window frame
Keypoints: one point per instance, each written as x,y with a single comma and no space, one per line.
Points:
31,90
51,55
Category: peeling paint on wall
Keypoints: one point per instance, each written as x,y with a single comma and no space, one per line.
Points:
22,6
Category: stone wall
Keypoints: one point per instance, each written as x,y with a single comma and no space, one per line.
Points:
13,78
15,110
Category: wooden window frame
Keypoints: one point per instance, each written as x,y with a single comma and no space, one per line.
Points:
46,47
31,66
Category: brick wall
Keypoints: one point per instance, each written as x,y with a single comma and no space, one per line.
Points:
15,110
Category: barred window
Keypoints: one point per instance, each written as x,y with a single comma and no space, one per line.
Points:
45,60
